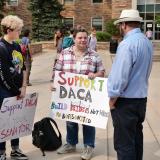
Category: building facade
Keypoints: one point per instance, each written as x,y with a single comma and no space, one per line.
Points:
88,13
96,13
92,13
150,11
20,8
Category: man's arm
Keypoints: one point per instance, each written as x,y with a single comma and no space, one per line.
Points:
119,75
5,75
120,72
24,85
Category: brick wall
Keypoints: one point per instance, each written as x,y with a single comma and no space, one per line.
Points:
118,6
83,10
22,11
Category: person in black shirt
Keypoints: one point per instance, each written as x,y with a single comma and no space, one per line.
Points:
12,74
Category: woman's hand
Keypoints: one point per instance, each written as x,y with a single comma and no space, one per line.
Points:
52,88
91,75
23,92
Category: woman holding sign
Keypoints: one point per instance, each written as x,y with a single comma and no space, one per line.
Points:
12,74
81,60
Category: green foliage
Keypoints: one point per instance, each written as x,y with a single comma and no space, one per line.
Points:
158,19
103,36
111,28
45,17
2,3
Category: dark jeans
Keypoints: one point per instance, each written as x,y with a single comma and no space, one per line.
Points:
88,134
15,142
128,117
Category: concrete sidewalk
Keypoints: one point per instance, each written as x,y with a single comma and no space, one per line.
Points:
40,77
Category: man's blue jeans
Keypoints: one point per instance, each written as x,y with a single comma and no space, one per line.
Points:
88,134
128,116
15,142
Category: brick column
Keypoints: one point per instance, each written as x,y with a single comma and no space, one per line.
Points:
119,5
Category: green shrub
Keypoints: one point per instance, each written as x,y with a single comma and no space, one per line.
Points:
103,36
111,28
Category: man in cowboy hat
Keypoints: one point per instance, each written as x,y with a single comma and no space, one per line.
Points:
128,85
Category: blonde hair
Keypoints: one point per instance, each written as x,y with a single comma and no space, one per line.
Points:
12,22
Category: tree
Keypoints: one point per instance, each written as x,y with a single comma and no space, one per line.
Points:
2,3
111,28
158,19
45,17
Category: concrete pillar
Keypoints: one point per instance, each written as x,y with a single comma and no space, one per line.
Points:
134,4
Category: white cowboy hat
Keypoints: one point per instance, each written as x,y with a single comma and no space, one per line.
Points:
129,15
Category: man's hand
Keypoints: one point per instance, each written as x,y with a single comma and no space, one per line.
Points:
112,102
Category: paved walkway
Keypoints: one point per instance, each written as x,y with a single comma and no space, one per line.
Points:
41,74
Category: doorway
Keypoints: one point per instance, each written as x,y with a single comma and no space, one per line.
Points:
150,26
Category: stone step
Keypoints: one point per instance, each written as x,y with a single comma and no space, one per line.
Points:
156,58
156,45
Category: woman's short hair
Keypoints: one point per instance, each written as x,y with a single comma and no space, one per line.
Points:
80,30
11,22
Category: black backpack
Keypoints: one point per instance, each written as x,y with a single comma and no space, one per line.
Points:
44,135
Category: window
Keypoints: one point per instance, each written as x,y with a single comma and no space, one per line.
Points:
97,23
12,2
68,22
67,1
158,8
97,1
149,16
140,2
150,1
141,8
150,8
142,15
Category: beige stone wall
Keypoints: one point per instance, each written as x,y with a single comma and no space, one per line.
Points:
36,48
103,46
50,45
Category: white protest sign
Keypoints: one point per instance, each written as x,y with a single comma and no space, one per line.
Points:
16,116
81,100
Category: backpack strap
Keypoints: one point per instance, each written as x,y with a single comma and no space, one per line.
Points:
50,119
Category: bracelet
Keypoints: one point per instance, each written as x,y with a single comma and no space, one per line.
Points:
24,86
